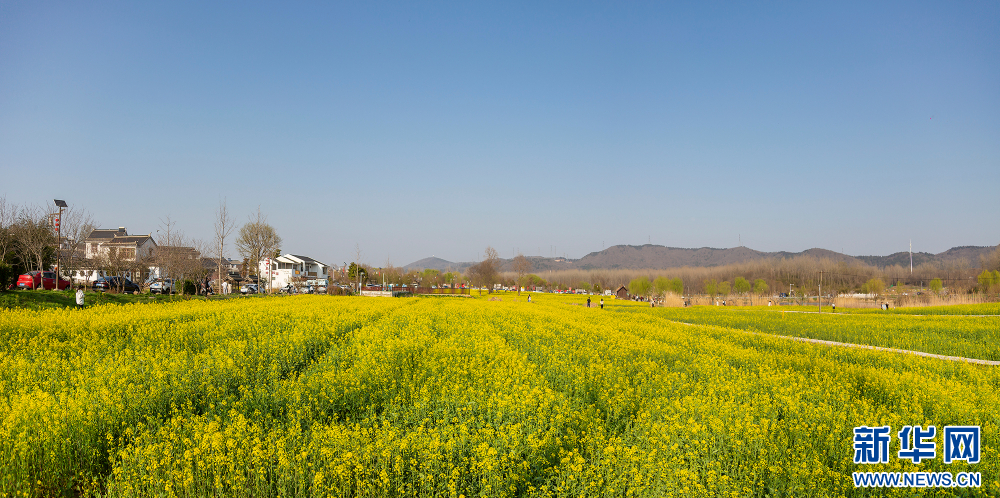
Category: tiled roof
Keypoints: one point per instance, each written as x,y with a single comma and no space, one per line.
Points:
131,239
103,233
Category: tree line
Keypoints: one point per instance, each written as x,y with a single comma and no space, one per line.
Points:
29,242
797,276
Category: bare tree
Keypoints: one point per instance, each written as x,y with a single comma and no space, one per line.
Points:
258,240
168,248
223,228
991,261
475,275
118,261
491,267
35,239
8,217
486,273
190,263
77,224
522,267
358,271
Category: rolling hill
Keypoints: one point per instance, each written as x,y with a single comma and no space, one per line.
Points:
650,256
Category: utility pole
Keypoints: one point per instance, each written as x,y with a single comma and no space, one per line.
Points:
820,292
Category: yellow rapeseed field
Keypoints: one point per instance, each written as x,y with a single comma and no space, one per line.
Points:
327,396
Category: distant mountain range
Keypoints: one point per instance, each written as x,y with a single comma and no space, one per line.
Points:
656,257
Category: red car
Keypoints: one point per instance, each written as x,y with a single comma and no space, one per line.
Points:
40,280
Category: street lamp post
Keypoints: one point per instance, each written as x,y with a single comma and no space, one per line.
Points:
60,204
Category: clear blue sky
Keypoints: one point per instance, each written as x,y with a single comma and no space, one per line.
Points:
414,128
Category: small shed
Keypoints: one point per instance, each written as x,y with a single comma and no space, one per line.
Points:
621,293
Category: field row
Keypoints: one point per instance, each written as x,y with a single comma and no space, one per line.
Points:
969,337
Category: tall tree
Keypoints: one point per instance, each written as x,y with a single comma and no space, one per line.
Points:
485,273
991,261
711,287
35,239
258,240
76,226
168,248
223,229
741,285
724,288
522,267
491,268
640,286
8,217
662,285
760,286
677,286
985,280
936,286
873,286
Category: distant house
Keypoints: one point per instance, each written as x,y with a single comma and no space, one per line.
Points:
166,257
101,241
287,268
104,242
621,293
230,267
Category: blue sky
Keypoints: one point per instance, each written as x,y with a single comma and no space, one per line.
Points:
415,129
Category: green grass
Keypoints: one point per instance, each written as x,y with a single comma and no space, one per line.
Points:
50,299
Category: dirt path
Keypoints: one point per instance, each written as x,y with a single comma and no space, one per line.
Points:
858,314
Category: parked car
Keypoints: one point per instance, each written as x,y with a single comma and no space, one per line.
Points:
162,286
287,289
248,289
121,284
40,280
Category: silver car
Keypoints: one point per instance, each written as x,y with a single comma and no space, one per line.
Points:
162,286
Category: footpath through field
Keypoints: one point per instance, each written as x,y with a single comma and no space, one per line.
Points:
859,346
837,313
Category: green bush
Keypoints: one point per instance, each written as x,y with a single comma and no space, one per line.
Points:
188,287
7,276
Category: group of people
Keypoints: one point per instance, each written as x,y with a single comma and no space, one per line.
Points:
602,302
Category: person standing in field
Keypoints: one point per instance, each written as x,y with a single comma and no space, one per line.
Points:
588,301
79,297
529,298
602,303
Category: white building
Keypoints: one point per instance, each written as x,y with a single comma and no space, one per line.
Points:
100,243
102,240
290,268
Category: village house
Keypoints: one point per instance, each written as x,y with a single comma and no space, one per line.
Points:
102,242
621,293
291,268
